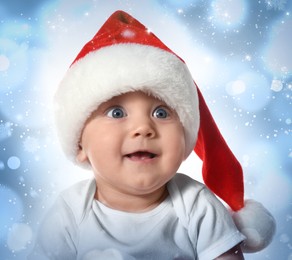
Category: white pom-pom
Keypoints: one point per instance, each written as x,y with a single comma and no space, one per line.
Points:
257,224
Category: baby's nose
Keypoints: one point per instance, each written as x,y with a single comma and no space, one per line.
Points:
145,129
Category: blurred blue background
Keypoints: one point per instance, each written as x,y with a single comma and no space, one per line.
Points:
239,53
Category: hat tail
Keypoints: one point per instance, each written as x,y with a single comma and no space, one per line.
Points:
222,173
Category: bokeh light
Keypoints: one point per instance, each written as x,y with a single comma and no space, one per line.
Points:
13,162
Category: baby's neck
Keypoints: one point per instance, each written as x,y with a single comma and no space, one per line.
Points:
131,203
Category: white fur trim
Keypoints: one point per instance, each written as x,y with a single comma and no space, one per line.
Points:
257,224
118,69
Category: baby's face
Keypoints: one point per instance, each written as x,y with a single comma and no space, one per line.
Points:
134,142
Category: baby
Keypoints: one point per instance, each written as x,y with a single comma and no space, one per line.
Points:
129,110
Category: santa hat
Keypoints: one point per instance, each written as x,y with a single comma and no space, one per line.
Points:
125,56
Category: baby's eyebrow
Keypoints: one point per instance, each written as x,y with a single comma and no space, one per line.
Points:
99,110
107,104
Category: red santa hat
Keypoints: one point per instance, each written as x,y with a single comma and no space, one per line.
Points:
125,56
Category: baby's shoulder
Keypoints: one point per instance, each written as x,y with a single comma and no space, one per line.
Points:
79,189
186,190
185,184
77,199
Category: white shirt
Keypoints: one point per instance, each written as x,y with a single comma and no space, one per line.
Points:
190,224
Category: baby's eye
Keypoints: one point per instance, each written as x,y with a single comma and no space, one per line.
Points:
116,112
161,112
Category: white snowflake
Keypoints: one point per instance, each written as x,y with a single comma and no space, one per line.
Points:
31,144
276,4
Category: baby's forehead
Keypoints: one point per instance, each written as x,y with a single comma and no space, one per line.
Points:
133,95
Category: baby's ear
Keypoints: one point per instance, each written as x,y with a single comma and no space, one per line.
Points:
81,156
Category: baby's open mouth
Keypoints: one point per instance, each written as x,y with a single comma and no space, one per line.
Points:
141,155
